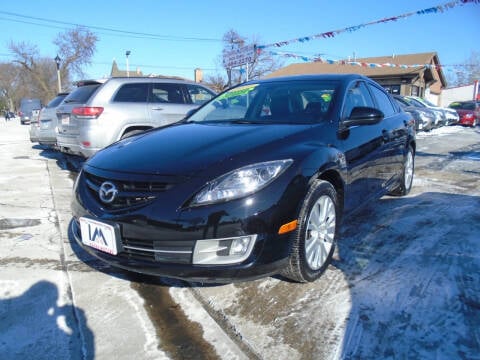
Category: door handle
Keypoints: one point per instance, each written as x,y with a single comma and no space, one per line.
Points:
157,108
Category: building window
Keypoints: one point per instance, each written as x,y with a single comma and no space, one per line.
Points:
414,90
392,89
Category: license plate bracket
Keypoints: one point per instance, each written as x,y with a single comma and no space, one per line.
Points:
100,235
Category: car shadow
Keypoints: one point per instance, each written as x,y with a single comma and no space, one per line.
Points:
33,320
64,161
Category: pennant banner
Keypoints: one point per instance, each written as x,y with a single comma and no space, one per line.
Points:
358,63
331,34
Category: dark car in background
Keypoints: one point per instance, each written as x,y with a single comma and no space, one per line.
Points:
29,109
255,182
468,111
424,118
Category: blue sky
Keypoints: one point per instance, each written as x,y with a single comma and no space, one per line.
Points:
189,33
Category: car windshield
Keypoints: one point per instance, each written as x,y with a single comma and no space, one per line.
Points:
415,102
426,102
293,102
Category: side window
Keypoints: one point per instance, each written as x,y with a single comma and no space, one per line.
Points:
357,95
167,93
132,93
383,101
198,94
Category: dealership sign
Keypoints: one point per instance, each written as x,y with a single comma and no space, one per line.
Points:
238,57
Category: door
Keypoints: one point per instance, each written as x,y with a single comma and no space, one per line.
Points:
167,103
363,146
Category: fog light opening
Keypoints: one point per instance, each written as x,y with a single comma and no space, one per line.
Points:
239,246
223,251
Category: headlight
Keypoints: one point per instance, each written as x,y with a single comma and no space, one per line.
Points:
240,182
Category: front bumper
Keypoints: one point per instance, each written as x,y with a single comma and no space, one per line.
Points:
180,267
158,237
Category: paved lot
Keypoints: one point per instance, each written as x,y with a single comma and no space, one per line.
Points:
405,282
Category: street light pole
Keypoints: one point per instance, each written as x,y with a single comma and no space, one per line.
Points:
59,81
126,54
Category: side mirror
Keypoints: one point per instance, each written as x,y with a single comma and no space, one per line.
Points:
362,115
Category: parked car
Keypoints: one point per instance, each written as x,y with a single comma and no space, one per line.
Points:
29,109
255,182
34,128
450,116
424,118
468,111
47,121
97,114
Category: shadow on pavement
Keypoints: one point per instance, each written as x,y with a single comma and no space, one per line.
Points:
34,326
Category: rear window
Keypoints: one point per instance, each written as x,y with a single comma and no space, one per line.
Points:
81,94
56,101
463,106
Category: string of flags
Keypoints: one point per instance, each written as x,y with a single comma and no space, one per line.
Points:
330,34
360,63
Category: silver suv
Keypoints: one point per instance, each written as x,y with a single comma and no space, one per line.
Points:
97,114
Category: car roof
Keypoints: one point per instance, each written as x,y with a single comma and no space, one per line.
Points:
144,79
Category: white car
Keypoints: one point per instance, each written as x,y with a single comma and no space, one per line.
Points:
451,116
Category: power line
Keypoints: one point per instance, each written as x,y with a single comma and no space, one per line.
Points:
111,31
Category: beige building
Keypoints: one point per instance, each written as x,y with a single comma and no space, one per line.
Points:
425,80
116,72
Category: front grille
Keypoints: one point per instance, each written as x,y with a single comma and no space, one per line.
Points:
153,251
164,251
130,193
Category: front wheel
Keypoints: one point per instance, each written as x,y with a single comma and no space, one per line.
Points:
314,239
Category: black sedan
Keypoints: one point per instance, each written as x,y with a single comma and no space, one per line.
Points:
254,183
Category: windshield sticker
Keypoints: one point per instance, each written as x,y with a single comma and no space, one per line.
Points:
326,97
239,91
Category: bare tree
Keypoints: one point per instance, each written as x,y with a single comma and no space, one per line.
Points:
262,64
10,89
216,82
468,72
75,48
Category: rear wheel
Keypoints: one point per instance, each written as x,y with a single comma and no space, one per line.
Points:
407,175
314,239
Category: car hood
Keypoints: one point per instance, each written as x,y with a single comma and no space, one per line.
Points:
187,148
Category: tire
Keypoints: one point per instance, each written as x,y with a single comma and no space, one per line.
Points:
313,242
407,175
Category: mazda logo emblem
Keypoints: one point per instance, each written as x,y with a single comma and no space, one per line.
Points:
108,192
